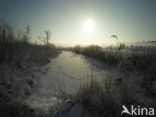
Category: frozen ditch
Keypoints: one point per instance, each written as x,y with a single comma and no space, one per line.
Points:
66,73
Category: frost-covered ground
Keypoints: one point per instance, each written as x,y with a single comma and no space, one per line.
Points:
67,72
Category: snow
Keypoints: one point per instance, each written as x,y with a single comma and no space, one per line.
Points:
66,73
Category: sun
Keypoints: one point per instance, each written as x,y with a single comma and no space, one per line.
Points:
88,25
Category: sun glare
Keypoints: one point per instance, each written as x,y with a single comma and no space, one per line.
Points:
88,25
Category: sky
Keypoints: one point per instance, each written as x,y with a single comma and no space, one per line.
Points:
130,20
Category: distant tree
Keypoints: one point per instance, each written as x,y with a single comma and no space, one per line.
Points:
47,34
116,37
45,39
27,34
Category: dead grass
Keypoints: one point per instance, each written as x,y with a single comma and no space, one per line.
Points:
106,98
96,100
17,57
132,58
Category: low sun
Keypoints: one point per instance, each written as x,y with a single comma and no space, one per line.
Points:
88,25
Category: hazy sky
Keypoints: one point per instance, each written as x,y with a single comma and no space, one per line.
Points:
131,20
